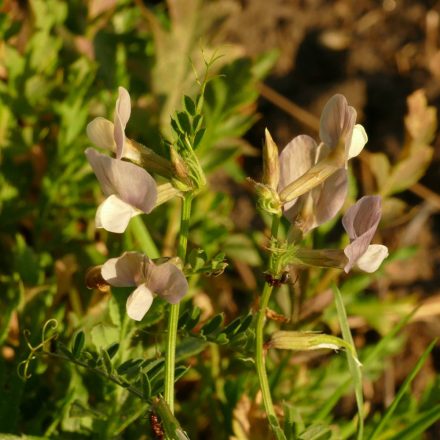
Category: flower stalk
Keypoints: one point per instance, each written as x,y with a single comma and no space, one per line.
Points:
170,356
259,346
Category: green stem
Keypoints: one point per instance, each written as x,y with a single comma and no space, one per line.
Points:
111,377
259,349
170,355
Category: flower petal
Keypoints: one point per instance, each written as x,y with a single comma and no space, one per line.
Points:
296,159
337,121
372,258
100,132
329,198
360,221
122,115
139,302
126,270
358,141
363,216
167,281
113,214
129,182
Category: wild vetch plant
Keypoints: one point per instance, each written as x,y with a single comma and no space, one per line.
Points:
192,305
304,186
307,183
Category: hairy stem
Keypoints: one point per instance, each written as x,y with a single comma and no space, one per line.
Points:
259,349
170,355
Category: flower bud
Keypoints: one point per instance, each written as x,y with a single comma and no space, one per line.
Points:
299,341
267,198
271,165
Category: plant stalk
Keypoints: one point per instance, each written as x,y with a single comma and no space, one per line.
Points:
259,349
170,355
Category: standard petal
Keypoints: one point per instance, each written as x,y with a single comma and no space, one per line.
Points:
122,115
329,198
360,221
113,214
126,270
297,157
372,258
129,182
100,132
295,160
363,216
123,106
337,121
167,281
358,141
139,302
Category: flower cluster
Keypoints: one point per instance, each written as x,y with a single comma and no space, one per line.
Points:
130,190
308,183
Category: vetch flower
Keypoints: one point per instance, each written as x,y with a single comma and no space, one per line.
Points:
165,280
111,136
360,221
337,128
322,202
129,189
342,140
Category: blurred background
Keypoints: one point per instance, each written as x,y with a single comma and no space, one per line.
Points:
278,63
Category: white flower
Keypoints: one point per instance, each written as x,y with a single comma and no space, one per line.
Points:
360,221
130,190
307,165
135,269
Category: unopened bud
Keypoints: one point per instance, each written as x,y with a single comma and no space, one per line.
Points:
271,165
305,341
267,198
